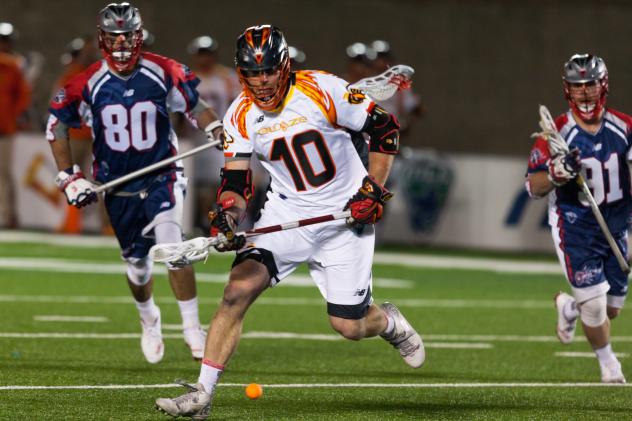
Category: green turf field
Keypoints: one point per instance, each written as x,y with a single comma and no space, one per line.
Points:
491,352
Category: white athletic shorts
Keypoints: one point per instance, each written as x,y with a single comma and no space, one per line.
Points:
339,260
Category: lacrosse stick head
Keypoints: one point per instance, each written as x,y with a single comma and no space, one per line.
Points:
384,86
183,253
585,79
557,144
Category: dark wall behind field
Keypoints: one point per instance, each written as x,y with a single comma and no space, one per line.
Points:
482,67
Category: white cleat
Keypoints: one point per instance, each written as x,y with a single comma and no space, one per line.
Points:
195,404
195,338
565,328
611,372
404,338
151,340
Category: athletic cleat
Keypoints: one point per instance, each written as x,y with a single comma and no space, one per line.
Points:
404,338
565,328
195,338
195,404
611,372
151,340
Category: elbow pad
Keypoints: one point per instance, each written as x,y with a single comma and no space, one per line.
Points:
238,181
383,130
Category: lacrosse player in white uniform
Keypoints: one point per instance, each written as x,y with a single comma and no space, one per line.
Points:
294,122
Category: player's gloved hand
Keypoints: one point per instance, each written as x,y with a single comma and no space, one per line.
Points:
223,225
215,131
563,168
368,203
79,191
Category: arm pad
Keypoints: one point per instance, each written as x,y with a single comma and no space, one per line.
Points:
238,181
383,130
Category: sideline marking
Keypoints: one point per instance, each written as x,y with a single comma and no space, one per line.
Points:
437,338
387,258
279,301
587,354
112,268
328,385
55,318
247,335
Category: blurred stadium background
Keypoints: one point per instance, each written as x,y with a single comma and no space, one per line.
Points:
481,70
482,67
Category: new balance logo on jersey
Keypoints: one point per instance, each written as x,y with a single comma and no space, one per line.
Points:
128,92
259,120
359,292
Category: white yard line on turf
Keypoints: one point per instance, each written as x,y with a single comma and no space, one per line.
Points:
387,258
587,354
247,335
330,386
307,336
55,318
112,268
280,301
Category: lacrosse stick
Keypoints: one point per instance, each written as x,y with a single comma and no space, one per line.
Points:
197,249
384,86
153,167
557,146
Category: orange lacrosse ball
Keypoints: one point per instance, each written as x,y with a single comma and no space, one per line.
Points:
254,391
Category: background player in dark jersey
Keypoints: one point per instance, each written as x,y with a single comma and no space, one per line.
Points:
126,99
600,140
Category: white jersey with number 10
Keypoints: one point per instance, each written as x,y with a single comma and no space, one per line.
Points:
303,145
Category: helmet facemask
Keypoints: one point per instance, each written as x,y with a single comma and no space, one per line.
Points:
585,79
267,96
121,53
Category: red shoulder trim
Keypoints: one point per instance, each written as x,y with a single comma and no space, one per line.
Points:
73,89
625,117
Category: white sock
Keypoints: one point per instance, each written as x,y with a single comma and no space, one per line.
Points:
390,325
209,374
148,309
570,310
189,313
605,354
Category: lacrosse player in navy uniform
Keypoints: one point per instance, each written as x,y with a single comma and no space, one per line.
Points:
325,175
126,99
599,140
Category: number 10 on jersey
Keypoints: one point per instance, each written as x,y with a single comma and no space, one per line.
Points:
302,169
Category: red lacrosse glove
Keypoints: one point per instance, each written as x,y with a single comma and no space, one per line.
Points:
367,204
223,223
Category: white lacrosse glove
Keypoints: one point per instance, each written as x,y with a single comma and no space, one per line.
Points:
79,191
565,167
213,134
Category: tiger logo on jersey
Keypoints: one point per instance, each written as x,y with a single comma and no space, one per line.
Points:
355,96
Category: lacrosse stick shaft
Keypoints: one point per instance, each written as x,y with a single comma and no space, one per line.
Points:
623,264
197,249
296,224
153,167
